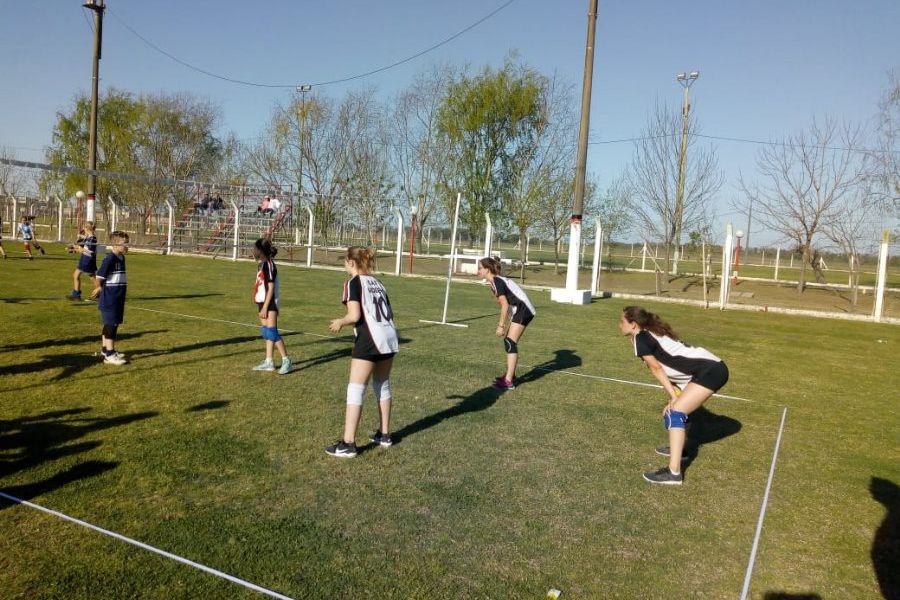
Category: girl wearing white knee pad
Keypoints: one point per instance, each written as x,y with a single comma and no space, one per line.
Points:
516,312
374,346
689,375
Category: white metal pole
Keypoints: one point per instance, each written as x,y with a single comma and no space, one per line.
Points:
452,254
399,241
703,270
309,236
644,257
882,275
59,219
237,224
14,222
171,234
777,262
595,271
114,222
574,254
488,234
726,268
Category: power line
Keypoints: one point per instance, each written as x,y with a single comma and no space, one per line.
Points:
321,83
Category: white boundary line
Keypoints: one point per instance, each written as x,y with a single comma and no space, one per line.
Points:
559,371
144,546
762,511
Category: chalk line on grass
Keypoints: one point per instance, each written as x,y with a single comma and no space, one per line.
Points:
762,510
559,371
148,547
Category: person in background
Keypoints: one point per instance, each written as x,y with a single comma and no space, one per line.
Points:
267,295
512,299
86,247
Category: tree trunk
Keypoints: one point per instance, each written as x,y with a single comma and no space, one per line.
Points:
804,260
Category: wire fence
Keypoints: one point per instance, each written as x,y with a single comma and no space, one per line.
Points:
223,221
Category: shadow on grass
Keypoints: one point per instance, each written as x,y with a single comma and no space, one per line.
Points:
485,397
31,441
707,427
321,359
173,297
787,596
73,341
203,345
211,405
886,545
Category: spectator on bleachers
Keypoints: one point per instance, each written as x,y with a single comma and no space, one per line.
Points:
263,206
274,206
220,204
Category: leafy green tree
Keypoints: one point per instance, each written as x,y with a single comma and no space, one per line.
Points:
490,124
155,136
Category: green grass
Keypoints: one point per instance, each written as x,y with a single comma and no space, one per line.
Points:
484,495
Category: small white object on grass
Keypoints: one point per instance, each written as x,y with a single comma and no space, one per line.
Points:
554,593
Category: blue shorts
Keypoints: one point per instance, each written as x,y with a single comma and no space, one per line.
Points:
111,317
87,264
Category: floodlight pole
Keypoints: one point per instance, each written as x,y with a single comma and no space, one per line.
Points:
303,89
686,81
399,241
412,235
98,6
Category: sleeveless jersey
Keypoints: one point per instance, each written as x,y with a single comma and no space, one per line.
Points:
375,331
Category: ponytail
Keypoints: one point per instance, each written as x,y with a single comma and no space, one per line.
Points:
363,258
263,248
492,264
649,321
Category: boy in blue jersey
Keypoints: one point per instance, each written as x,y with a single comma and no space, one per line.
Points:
86,247
110,286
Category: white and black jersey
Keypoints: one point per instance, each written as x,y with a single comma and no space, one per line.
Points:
522,308
375,332
682,363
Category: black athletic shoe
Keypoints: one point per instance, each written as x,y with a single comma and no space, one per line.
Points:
73,297
381,439
341,449
664,476
664,451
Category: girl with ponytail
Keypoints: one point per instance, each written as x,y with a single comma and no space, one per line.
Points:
689,376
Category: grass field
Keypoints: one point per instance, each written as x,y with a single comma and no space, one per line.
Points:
484,495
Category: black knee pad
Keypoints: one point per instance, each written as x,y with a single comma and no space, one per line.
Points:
109,331
511,346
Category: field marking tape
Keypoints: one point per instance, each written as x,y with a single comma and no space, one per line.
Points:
560,371
144,546
762,511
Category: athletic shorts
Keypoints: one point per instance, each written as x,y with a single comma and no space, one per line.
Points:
87,265
259,306
713,378
523,317
110,317
375,358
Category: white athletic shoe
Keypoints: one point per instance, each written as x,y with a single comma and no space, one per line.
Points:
114,359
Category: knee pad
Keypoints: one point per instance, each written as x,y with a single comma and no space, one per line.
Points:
109,331
270,333
511,346
355,392
382,390
675,419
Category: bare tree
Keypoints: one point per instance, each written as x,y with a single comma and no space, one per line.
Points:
887,155
804,181
11,179
652,178
853,226
417,158
533,174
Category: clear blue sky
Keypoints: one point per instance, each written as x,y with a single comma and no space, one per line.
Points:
767,66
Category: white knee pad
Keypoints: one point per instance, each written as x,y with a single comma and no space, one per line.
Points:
382,389
355,392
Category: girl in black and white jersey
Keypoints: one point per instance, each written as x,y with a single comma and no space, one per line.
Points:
513,300
688,374
374,347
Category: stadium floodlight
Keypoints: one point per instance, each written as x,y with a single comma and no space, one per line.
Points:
304,88
694,74
680,76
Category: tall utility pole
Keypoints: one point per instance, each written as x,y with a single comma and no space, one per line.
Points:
686,82
98,6
571,293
